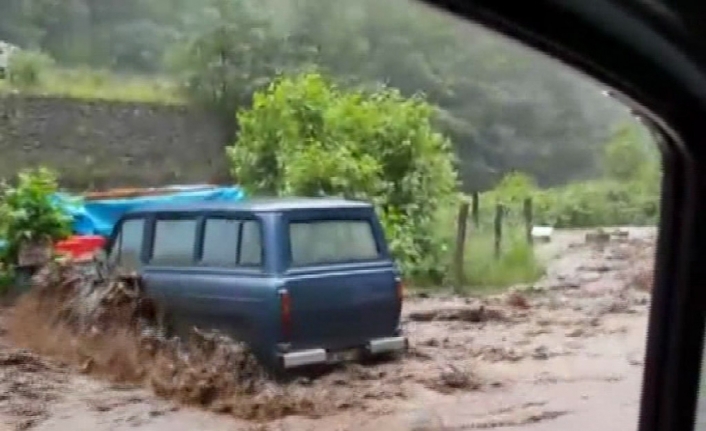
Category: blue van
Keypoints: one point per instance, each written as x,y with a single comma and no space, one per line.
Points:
301,281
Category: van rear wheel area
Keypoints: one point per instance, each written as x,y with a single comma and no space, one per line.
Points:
147,311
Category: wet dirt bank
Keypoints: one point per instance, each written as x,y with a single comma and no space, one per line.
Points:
565,352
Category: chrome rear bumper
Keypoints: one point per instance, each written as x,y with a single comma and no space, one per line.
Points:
377,346
387,345
304,357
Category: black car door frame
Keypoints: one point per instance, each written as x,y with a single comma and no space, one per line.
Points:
646,54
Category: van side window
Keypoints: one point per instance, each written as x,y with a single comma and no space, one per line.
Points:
331,241
220,242
174,242
128,244
222,237
250,244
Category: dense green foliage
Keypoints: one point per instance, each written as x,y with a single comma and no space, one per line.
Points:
26,211
627,195
27,69
126,34
502,107
517,263
483,271
627,157
305,136
27,215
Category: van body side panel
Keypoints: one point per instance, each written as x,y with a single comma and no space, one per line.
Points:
226,301
240,302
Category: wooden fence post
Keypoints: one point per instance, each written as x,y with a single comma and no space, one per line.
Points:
459,256
475,210
528,219
499,212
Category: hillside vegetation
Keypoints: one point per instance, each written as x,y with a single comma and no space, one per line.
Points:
304,135
502,107
38,75
385,101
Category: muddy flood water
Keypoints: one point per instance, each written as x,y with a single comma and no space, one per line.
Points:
565,353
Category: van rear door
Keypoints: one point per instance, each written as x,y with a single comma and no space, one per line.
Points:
342,288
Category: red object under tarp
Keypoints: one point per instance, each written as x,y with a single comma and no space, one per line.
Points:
80,247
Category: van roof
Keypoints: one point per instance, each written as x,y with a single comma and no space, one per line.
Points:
256,205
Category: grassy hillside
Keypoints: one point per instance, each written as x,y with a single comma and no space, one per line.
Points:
93,85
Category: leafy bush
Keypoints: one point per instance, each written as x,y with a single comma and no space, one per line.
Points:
584,204
27,68
484,272
306,136
628,194
236,52
597,203
27,213
517,262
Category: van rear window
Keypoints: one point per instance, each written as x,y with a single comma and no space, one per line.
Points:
331,241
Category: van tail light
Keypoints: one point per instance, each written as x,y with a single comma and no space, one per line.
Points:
399,286
285,303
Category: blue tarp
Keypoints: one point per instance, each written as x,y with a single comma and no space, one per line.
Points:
98,217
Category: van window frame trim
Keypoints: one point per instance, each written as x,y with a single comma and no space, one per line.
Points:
171,216
117,232
241,218
346,214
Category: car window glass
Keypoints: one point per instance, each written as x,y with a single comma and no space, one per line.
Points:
174,242
130,243
220,242
251,244
332,241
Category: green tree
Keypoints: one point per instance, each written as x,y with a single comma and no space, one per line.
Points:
239,53
306,136
122,35
626,156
